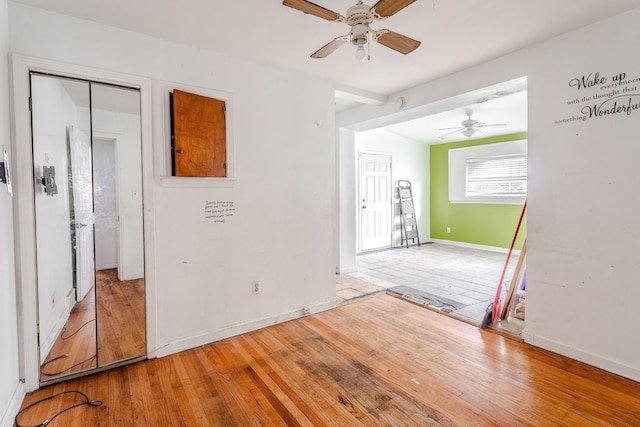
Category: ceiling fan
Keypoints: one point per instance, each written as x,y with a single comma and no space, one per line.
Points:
469,127
359,17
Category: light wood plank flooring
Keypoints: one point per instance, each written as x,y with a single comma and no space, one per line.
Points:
120,314
120,328
376,361
75,347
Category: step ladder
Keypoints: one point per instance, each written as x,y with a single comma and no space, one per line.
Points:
408,220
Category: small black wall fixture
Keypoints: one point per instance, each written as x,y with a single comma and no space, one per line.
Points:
5,174
49,180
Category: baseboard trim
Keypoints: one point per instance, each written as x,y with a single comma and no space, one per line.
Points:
51,338
238,329
475,246
608,365
347,270
9,415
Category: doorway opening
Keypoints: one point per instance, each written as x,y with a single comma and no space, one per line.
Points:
464,236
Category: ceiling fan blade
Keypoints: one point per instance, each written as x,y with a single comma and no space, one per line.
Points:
386,8
330,47
313,9
395,41
444,135
457,128
484,125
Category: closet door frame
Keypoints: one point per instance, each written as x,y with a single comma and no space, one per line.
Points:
24,209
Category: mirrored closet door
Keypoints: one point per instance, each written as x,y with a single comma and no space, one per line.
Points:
89,225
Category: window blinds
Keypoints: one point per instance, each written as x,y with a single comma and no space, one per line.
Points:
499,176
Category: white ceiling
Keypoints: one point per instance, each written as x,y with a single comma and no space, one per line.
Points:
455,34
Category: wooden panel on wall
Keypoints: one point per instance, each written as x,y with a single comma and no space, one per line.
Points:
199,135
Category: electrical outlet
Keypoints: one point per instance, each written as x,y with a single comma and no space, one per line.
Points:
255,287
448,229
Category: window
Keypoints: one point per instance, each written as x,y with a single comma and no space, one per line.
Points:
490,173
499,176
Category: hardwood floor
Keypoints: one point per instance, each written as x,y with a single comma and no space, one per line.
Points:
376,361
75,347
120,328
120,314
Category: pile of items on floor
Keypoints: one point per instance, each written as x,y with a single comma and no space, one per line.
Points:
517,310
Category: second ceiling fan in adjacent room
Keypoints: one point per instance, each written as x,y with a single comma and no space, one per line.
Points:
469,127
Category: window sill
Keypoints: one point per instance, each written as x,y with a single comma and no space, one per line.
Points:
490,201
196,182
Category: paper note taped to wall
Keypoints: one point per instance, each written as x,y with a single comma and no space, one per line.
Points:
218,211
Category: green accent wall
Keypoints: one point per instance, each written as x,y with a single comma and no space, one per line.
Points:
480,224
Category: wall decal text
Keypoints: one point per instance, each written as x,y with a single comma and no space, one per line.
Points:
598,95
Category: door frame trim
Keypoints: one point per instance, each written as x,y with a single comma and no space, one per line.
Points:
359,198
24,208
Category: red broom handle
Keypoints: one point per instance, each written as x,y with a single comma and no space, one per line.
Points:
495,315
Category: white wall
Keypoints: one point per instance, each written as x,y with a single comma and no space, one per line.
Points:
346,177
410,162
283,226
583,227
11,390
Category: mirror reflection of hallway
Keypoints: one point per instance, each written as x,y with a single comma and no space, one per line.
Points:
89,231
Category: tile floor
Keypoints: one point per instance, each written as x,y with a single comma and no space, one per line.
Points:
466,276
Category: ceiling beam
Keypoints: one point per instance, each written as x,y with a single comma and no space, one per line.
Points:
361,96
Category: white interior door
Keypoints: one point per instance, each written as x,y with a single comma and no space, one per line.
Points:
82,184
375,201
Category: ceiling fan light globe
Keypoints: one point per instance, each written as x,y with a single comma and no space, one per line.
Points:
468,132
361,54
